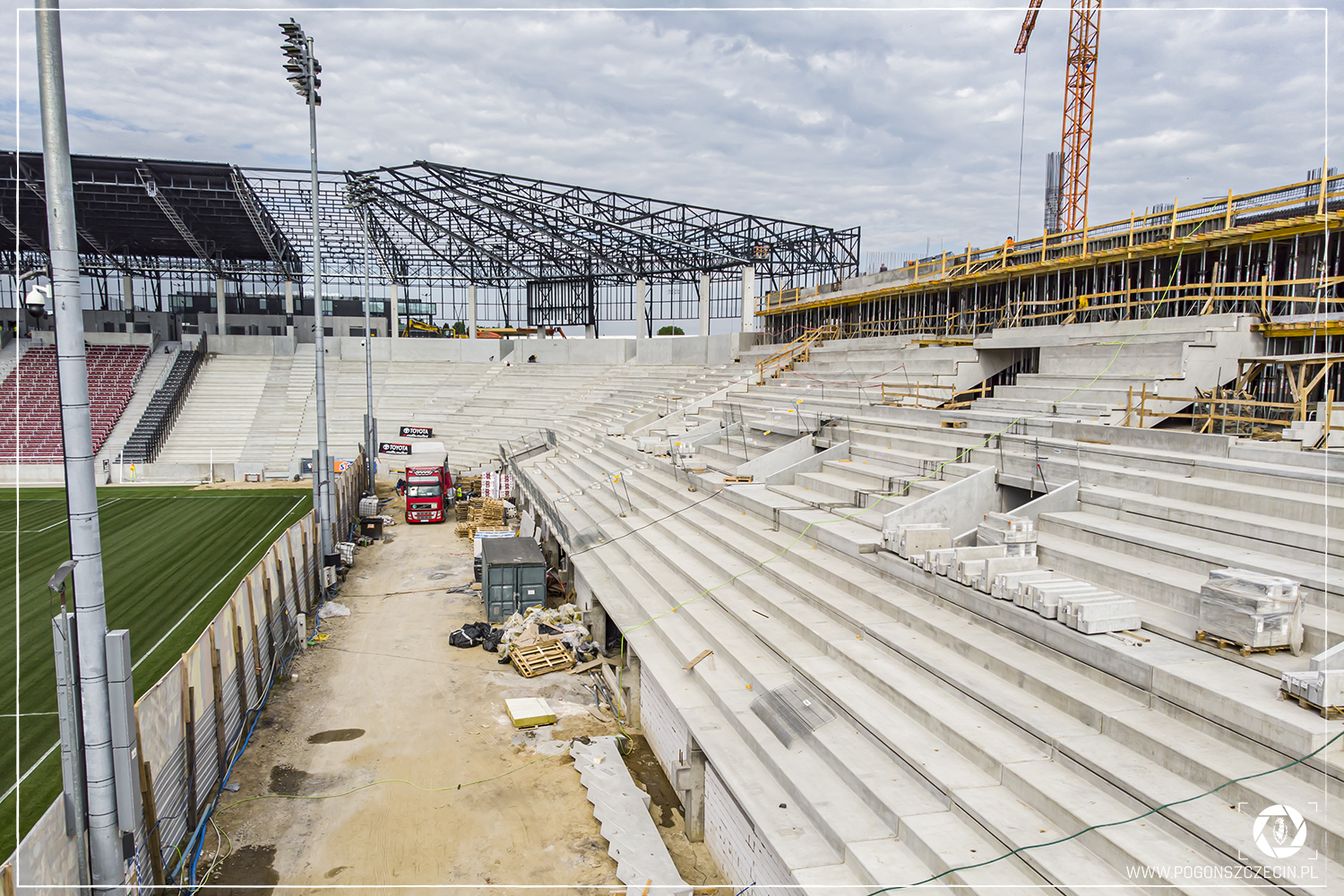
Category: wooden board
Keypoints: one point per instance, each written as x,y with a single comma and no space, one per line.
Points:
1327,712
952,424
538,659
1243,649
736,480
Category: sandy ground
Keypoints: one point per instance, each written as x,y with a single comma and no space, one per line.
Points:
388,759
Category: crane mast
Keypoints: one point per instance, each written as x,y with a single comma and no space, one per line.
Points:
1080,92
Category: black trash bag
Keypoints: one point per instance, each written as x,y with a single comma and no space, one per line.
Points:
475,633
491,641
545,629
461,638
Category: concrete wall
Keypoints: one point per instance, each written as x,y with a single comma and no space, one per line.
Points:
265,346
958,505
723,348
571,351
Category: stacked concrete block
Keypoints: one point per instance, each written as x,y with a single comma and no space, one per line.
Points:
1322,685
912,541
1006,568
1099,612
1018,536
938,561
996,567
968,563
1007,585
1251,609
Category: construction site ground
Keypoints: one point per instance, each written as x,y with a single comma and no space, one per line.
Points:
386,758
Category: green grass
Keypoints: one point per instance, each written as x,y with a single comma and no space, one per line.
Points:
165,551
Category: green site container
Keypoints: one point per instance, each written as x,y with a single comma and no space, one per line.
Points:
513,576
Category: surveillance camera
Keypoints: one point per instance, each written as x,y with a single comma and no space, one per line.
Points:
36,300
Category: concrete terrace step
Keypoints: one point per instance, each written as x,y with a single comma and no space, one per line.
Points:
1182,551
834,676
748,580
1169,596
1304,542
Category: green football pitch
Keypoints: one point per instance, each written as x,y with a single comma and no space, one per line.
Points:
171,558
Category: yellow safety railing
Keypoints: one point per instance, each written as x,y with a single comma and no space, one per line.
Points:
1213,412
1313,197
930,395
799,349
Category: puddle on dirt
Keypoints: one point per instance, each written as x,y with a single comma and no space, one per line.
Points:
335,735
250,871
288,780
644,768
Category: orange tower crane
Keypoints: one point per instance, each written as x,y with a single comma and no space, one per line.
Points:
1080,93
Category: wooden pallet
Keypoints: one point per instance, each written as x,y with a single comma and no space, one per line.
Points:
538,659
1243,649
1327,712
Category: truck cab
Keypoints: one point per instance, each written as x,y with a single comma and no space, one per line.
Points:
428,489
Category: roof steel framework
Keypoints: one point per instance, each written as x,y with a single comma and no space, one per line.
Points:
430,224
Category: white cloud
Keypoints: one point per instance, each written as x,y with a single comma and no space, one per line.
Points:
905,122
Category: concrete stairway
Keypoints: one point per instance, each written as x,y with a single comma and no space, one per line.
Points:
151,375
1016,743
1094,369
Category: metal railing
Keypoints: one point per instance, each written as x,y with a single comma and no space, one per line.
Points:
1309,197
799,349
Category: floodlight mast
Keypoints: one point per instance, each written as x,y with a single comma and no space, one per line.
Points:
105,846
303,69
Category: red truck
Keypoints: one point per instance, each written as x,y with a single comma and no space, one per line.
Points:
428,487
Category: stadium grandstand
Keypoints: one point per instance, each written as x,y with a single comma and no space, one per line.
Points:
1011,568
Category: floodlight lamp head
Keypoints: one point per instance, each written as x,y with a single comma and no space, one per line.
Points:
56,584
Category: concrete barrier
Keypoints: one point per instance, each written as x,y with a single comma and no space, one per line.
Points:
958,505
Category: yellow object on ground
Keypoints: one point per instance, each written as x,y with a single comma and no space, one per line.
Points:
529,712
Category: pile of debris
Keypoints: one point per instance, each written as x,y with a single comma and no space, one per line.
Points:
536,641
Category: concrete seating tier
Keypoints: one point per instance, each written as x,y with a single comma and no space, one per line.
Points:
30,403
951,734
270,418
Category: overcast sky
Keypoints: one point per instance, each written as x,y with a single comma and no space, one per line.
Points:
903,121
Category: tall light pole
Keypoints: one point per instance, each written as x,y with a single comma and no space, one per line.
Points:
360,193
81,494
303,68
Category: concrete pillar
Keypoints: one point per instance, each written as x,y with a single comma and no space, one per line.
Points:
394,328
128,304
471,311
748,298
630,688
641,308
289,308
692,779
704,304
220,311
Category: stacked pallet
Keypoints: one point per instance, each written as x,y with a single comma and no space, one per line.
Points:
482,515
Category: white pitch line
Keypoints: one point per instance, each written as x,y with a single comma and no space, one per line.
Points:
159,643
59,522
54,747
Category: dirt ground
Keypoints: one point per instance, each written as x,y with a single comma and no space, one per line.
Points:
387,758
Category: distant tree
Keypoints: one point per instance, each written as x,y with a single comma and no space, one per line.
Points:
670,330
460,328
